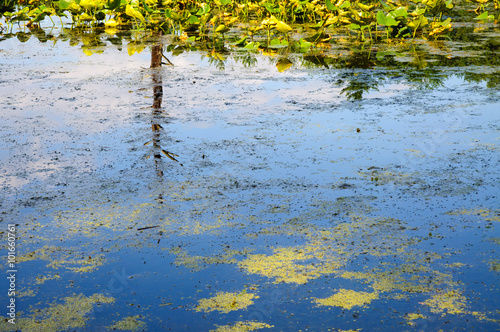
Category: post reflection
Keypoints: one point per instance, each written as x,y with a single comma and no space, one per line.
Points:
157,115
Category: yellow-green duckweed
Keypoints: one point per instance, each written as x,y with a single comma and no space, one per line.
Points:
449,302
347,299
226,302
242,327
71,314
131,323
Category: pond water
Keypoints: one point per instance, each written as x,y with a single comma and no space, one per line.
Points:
356,190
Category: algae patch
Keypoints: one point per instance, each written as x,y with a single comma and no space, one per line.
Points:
451,302
495,265
68,315
486,214
44,253
131,323
197,263
108,218
495,240
214,225
242,327
407,278
58,258
293,264
83,265
411,317
398,178
347,299
41,279
329,249
226,302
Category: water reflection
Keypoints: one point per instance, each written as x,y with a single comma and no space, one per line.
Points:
418,65
157,115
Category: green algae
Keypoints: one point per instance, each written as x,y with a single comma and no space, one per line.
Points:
44,253
130,323
242,327
485,214
4,325
398,178
495,265
225,302
495,240
197,263
26,292
290,264
447,302
347,299
42,279
214,225
412,317
83,265
68,315
283,208
87,220
414,277
328,250
60,257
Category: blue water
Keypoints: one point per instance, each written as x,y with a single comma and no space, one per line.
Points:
266,161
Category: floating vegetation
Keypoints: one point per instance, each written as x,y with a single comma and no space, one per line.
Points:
411,317
347,299
292,265
131,323
405,277
44,253
242,327
71,314
200,227
449,302
383,177
27,292
197,263
42,279
485,214
84,265
495,240
495,265
87,220
226,302
327,251
65,258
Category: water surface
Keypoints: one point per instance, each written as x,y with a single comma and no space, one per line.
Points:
321,198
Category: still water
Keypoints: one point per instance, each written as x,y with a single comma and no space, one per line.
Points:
336,195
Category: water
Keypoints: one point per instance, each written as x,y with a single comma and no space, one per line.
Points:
271,200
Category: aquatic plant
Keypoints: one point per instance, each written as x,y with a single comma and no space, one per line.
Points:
217,18
347,299
226,302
